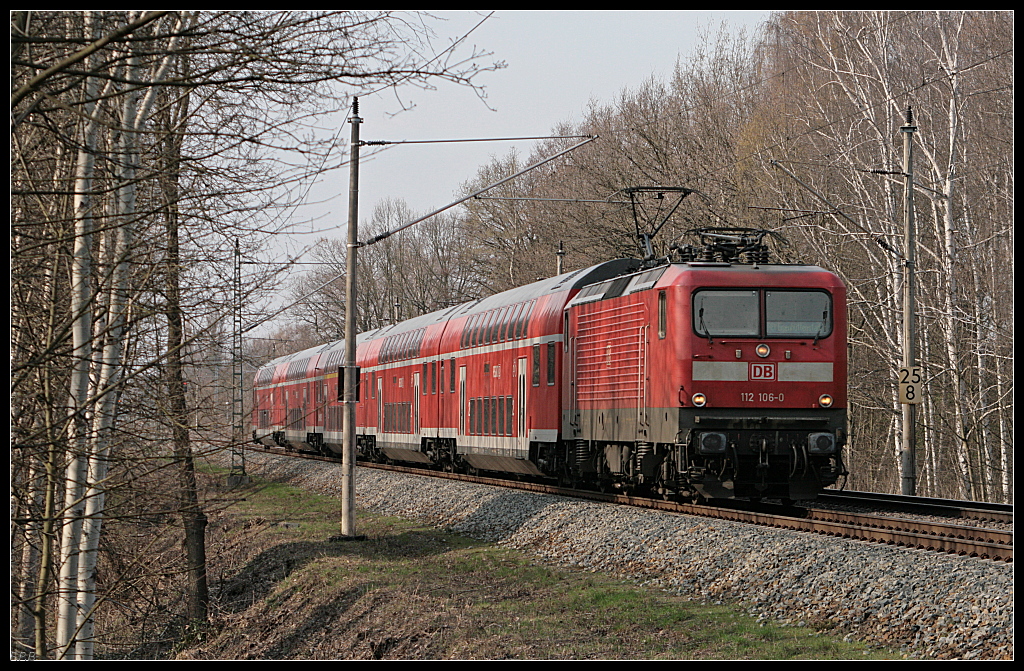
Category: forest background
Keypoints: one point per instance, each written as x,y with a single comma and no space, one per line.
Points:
146,145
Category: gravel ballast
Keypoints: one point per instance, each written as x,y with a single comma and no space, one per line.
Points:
929,604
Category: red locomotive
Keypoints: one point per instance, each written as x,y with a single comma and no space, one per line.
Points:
720,375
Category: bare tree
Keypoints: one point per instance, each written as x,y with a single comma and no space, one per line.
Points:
144,145
849,77
413,272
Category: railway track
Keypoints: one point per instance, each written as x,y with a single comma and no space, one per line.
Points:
912,533
967,510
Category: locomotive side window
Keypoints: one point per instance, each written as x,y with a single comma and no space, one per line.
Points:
475,332
662,314
798,314
726,312
492,328
395,352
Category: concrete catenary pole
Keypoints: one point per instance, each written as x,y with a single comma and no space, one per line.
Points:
908,458
351,371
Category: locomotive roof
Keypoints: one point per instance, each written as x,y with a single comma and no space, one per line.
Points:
744,271
648,278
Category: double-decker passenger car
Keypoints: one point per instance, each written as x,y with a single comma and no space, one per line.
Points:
477,385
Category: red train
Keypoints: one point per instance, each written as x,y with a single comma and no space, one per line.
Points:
718,376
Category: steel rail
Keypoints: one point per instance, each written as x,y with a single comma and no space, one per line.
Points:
981,510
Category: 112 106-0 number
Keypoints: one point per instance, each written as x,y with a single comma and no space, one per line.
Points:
749,397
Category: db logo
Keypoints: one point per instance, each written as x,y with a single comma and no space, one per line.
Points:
762,371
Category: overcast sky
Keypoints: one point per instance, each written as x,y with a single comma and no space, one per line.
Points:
557,62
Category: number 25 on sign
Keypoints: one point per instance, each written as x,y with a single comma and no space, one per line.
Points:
911,385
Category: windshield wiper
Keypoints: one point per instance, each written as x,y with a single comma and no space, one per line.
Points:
700,315
824,323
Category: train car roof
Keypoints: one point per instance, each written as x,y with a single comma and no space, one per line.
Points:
564,282
302,354
544,287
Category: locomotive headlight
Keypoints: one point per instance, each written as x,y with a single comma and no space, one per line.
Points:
763,350
712,443
821,443
699,399
825,401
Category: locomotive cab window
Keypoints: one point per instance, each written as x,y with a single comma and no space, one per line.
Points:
762,313
727,312
797,314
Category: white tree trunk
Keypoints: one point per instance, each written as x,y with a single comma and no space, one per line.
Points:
134,116
81,333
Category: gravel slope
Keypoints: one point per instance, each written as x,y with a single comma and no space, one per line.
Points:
937,605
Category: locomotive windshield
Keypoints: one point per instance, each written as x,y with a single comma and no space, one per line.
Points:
797,314
760,313
727,313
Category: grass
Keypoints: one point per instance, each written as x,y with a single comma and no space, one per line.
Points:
412,592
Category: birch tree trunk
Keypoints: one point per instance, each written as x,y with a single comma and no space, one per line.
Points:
130,145
81,331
